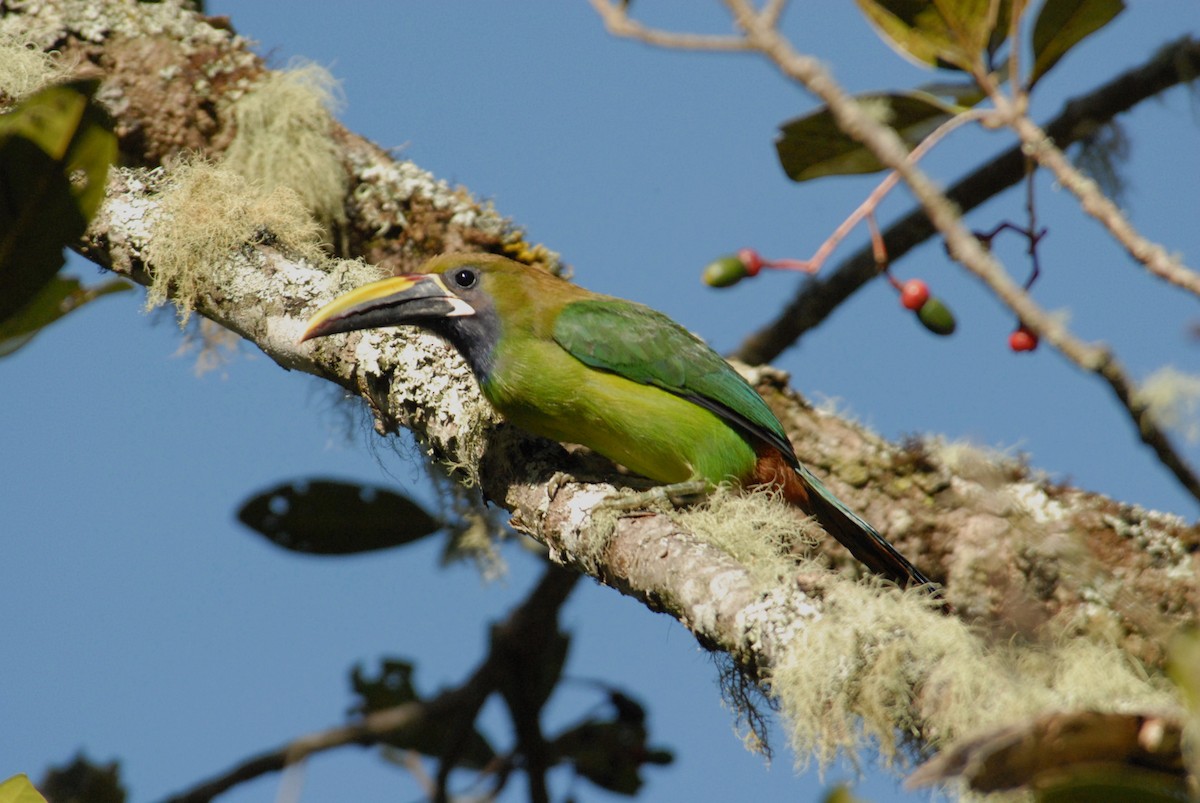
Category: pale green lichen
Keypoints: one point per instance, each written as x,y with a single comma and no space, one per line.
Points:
205,212
46,22
859,673
759,530
283,139
24,68
1173,400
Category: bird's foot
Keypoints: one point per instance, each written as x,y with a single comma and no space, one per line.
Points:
677,494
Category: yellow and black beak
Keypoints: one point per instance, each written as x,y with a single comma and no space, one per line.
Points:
390,302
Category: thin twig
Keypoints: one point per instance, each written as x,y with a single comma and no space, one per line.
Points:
817,298
619,23
1041,147
772,11
369,730
867,208
963,246
537,614
885,144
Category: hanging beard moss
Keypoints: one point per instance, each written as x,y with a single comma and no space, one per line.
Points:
876,659
881,668
283,139
25,69
759,530
206,211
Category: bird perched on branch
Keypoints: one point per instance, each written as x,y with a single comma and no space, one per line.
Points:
618,377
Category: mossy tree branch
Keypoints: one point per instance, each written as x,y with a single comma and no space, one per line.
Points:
762,35
1019,557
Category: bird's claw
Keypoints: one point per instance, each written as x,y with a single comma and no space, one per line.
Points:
675,495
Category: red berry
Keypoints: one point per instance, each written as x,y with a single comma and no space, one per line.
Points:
1022,340
914,294
751,260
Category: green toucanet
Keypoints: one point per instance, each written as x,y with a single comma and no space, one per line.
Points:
618,377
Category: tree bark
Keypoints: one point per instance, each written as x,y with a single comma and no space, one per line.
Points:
1024,561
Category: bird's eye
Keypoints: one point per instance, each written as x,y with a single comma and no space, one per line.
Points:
465,278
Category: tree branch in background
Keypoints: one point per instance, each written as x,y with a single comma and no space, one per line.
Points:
1045,151
885,144
528,626
1030,567
818,297
942,213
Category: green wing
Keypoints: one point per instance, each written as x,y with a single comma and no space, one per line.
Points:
643,345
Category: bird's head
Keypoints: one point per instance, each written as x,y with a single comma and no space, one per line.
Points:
470,299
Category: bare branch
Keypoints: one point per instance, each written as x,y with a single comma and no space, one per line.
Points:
533,620
1041,147
1052,746
818,297
618,22
772,12
886,145
369,731
1025,562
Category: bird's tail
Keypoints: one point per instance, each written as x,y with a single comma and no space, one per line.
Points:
801,488
860,538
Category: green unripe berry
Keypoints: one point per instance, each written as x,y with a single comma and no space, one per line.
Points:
936,316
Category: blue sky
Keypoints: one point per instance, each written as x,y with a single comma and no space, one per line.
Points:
141,622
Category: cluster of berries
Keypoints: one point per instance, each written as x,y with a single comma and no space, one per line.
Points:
931,311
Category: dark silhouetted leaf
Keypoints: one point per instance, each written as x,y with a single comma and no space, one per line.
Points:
60,296
391,688
813,146
82,781
611,752
55,150
628,709
533,674
950,32
433,738
1062,24
327,517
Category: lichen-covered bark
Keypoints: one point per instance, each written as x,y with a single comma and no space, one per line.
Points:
1018,556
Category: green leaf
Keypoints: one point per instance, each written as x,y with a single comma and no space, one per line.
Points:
327,517
55,150
841,794
1062,24
813,146
1113,783
957,95
938,32
1183,667
57,298
19,789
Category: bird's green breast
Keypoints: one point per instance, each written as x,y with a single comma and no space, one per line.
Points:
543,389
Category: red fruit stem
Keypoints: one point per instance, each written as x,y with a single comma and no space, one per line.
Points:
802,265
868,206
